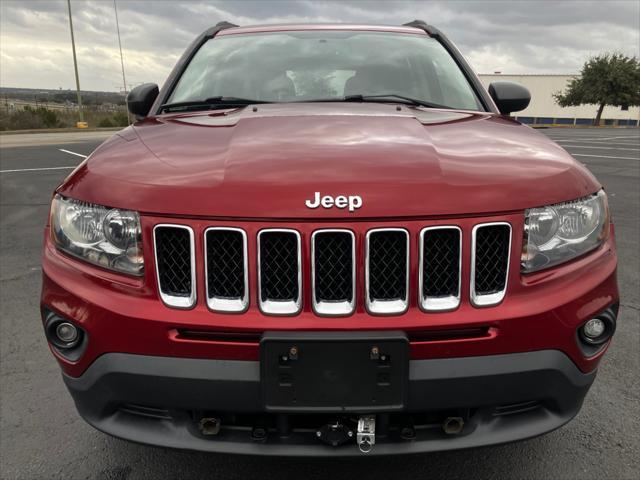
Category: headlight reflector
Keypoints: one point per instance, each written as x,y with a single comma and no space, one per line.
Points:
543,225
121,228
561,232
110,238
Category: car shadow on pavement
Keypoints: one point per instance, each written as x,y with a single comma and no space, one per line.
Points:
507,461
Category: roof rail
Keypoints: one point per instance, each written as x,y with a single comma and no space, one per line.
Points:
431,30
224,23
213,31
221,26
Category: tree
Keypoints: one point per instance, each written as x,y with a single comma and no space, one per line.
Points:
609,79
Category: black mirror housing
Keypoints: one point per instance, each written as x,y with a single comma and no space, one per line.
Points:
141,98
509,96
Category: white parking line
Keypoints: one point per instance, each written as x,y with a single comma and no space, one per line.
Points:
573,140
620,137
617,137
591,137
603,156
37,169
72,153
601,148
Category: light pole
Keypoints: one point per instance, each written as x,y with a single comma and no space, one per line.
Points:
124,80
75,64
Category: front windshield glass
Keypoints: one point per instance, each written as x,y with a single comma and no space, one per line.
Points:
298,66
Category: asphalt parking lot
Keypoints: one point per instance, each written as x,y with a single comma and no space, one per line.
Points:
43,437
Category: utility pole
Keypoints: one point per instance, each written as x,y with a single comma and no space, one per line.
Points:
124,80
75,64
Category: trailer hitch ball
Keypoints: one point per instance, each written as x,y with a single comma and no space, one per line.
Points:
365,444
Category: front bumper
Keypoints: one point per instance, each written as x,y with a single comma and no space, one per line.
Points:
157,400
149,372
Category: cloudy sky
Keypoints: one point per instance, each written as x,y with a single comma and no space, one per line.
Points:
544,36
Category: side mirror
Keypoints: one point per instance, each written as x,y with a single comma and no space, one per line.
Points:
140,99
509,96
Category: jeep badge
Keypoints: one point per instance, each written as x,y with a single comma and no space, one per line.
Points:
354,202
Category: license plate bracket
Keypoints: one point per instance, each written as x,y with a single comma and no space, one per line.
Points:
334,371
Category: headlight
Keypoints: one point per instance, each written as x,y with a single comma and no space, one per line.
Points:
110,238
564,231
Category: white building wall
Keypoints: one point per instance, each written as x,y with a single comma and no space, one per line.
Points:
542,88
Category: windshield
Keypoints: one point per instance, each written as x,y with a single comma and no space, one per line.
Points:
325,65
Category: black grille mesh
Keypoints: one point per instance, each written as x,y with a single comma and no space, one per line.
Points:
492,253
387,265
279,266
173,249
225,264
440,263
333,266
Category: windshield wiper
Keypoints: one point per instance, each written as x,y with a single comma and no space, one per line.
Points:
379,98
209,104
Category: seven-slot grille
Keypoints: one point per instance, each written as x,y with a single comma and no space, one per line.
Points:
175,264
333,268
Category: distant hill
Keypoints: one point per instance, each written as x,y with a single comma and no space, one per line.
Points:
61,96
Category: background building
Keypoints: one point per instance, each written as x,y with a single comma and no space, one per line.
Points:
544,110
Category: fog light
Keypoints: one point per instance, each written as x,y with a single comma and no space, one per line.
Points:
67,333
66,338
594,328
597,330
594,334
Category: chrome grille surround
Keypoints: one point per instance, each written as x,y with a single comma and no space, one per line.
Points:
489,262
280,307
221,304
329,307
175,301
385,306
487,300
439,303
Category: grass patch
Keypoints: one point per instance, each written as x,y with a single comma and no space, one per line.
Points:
40,118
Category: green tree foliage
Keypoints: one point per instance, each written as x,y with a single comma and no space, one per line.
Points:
609,79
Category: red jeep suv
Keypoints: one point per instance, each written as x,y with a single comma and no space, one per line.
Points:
326,240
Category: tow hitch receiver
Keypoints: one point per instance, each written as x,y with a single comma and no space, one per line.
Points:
334,434
366,433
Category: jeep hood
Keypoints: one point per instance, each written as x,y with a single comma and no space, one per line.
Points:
265,161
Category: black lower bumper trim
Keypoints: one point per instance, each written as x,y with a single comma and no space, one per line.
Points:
507,398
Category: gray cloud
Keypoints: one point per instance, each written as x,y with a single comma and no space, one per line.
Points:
511,36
